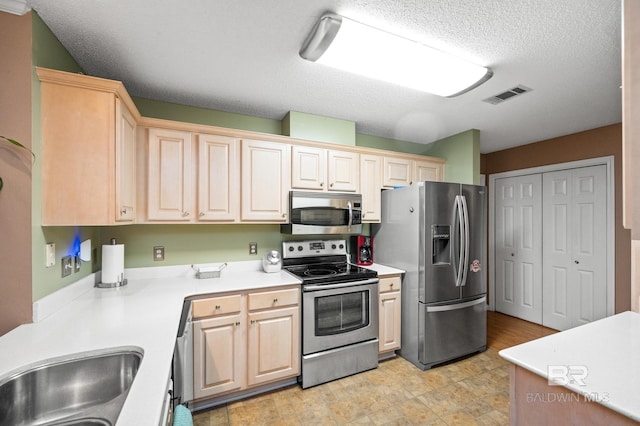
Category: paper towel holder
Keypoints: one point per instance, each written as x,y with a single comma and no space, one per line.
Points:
121,280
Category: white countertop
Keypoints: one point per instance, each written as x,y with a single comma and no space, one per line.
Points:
145,314
384,270
607,351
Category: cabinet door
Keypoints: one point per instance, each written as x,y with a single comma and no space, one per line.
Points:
169,194
389,314
309,169
425,170
389,338
266,179
397,172
125,164
344,171
370,186
274,345
218,178
218,356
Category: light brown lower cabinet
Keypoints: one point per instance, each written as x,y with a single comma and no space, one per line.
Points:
245,340
389,313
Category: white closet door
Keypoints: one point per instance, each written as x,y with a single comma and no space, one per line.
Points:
574,253
518,247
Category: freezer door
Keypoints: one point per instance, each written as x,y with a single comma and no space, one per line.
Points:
476,273
451,331
440,243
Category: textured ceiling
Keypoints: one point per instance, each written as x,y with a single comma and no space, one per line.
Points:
242,56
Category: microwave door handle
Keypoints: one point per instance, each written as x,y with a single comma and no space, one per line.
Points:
350,214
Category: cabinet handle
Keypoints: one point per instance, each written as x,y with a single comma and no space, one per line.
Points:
576,262
253,321
217,307
284,215
364,215
321,184
201,213
123,211
237,322
331,184
391,285
185,214
275,300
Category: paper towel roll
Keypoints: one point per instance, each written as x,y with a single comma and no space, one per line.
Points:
112,263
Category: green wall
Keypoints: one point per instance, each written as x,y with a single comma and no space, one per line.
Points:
317,128
48,52
462,152
210,117
377,142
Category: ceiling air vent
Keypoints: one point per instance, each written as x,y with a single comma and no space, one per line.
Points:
509,94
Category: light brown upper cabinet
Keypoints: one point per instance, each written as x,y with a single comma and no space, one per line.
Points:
265,181
88,150
191,177
169,183
320,169
403,171
371,186
218,178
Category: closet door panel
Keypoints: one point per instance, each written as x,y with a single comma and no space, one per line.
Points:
518,247
575,238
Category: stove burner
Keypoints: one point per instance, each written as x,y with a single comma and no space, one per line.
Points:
319,272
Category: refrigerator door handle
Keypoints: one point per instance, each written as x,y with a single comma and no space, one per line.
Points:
458,214
456,306
465,264
461,239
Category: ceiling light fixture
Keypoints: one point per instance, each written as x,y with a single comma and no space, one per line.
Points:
348,45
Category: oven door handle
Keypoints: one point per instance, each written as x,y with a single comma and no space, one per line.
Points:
312,287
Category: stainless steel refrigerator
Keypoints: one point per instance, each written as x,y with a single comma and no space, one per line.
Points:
436,232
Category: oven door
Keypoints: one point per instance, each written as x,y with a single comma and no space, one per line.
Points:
339,314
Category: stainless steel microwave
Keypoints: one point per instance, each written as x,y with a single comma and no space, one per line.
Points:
323,213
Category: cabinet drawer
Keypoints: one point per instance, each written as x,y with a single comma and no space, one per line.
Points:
272,299
389,284
216,306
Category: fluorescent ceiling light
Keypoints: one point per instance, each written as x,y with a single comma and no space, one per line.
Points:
351,46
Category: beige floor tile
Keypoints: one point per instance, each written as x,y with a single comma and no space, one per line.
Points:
472,391
493,418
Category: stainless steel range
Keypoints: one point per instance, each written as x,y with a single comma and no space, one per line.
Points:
339,310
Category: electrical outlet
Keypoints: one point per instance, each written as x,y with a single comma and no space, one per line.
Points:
158,253
76,264
66,265
253,248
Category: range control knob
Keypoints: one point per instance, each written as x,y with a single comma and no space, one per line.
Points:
299,248
290,248
333,246
341,246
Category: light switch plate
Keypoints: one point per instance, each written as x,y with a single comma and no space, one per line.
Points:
50,255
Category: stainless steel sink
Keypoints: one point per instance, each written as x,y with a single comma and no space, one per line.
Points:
83,389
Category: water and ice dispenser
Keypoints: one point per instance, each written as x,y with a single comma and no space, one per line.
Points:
441,239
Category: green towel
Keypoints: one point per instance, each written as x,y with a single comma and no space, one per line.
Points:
182,416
